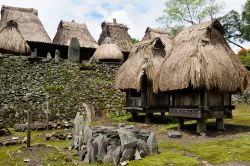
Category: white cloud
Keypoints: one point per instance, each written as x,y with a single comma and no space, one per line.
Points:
137,14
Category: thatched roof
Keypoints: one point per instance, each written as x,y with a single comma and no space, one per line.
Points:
28,22
118,33
145,58
68,30
165,38
11,40
108,51
201,58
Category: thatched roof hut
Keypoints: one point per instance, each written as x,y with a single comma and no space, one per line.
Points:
144,59
11,40
157,32
118,33
108,52
201,58
68,30
28,22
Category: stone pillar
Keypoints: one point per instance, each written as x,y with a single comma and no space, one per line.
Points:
74,51
219,124
201,125
181,124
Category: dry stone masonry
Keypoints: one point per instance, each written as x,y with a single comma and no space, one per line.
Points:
64,85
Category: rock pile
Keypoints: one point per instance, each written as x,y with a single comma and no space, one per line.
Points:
113,144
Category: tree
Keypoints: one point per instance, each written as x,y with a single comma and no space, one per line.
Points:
245,27
134,40
232,27
180,12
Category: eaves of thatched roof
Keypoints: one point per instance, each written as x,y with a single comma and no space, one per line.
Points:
11,40
201,58
118,33
28,22
68,30
108,51
161,33
146,58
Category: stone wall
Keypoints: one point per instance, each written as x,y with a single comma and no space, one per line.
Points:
28,83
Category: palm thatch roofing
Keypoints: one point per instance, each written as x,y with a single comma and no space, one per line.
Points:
201,58
118,34
108,51
28,22
68,30
145,58
161,33
11,40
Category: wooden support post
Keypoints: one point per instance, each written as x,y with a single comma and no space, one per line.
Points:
134,116
162,115
28,128
147,118
201,125
181,124
219,124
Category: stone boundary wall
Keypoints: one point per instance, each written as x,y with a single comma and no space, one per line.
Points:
28,83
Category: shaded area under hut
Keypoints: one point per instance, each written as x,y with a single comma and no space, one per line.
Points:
136,75
118,34
68,30
11,40
108,52
200,75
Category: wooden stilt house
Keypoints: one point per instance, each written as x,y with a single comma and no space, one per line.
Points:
135,78
201,74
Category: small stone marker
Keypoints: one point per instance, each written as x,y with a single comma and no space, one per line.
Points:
49,55
74,50
57,54
34,53
174,134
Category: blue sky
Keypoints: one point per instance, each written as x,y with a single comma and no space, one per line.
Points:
137,14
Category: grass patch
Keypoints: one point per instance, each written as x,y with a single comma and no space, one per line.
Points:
166,158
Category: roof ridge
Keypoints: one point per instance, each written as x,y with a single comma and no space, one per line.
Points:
31,10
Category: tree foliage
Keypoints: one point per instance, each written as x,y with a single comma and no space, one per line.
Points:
134,40
232,25
180,12
245,28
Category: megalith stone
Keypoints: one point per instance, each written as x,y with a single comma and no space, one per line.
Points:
90,112
78,131
128,139
152,143
87,134
74,50
57,54
143,148
49,56
116,155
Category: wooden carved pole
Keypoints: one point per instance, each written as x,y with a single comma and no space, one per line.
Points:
28,129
